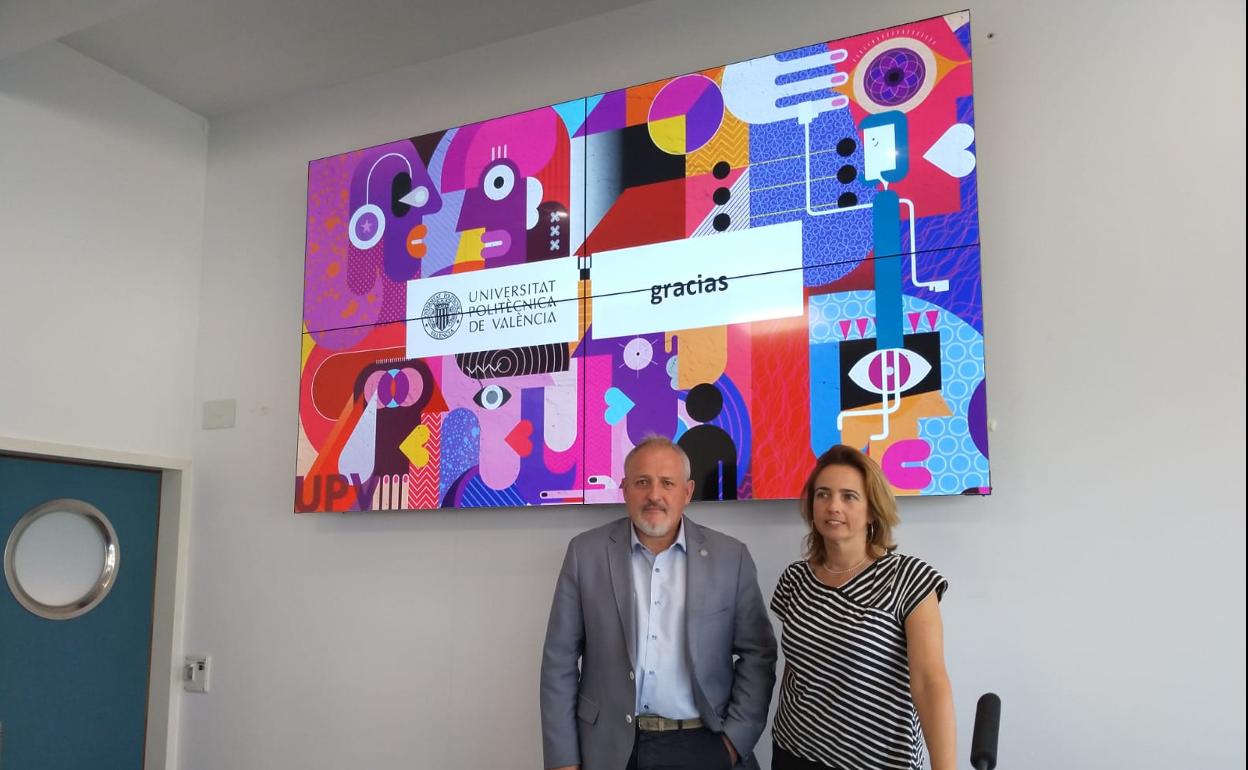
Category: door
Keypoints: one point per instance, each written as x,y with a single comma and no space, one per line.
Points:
73,692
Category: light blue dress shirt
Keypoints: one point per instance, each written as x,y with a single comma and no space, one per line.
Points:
664,680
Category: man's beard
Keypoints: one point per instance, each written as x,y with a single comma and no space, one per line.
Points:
653,530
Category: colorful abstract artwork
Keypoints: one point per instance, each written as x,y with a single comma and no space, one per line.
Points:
757,260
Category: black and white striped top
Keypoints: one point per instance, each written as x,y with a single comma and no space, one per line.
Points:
845,695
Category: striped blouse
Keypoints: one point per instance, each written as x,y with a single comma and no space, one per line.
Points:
845,695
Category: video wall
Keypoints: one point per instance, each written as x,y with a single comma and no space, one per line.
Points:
757,260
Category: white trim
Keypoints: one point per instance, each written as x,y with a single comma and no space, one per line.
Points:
169,600
91,454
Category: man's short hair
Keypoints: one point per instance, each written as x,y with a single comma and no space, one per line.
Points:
654,440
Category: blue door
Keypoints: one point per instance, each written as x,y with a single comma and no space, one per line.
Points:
73,693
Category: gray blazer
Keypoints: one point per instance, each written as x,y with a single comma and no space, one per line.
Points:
587,710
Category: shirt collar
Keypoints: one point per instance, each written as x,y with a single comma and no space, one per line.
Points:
680,536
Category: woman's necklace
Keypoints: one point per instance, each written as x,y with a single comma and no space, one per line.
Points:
823,567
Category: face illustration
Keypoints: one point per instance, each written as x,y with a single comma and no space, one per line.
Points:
494,212
495,402
839,505
391,194
656,490
499,166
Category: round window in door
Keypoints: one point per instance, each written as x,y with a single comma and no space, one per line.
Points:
61,559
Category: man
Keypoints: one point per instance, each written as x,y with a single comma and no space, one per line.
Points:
675,649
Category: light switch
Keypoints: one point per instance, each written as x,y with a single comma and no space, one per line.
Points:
219,414
196,672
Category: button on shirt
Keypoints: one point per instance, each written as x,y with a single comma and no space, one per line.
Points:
664,680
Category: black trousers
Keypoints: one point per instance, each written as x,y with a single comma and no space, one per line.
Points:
697,749
783,760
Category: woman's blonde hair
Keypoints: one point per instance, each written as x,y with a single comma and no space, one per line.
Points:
881,504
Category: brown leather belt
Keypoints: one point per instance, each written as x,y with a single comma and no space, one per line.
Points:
653,724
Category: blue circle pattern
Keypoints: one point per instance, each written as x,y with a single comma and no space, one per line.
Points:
956,463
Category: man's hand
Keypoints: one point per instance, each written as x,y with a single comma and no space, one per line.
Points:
732,750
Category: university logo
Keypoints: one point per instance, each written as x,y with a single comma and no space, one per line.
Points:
441,316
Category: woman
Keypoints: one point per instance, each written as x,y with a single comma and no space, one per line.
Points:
862,639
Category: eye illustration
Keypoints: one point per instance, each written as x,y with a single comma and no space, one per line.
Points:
894,370
498,182
492,397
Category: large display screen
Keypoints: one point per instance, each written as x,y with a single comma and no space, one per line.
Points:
757,260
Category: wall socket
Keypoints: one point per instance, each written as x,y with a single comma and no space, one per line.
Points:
196,672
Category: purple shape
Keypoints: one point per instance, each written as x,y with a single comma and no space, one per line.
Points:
703,118
977,418
535,477
894,76
366,225
649,387
398,387
384,175
326,294
610,114
497,204
346,273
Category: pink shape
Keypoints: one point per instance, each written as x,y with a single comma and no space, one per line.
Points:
845,329
620,447
900,366
560,462
527,139
931,318
679,96
895,465
597,441
862,326
914,321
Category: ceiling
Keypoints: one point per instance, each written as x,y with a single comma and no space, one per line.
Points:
216,57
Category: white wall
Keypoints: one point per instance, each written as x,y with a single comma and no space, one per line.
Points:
101,216
1099,590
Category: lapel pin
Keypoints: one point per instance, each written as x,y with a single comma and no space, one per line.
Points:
702,552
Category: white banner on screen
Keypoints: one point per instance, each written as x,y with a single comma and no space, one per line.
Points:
734,277
503,307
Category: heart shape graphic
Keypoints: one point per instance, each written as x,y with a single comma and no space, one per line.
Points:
950,153
414,446
521,438
618,405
